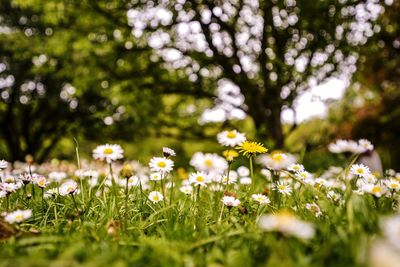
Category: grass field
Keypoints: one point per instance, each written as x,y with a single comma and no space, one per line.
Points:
270,212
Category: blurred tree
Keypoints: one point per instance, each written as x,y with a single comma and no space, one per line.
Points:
371,108
67,70
272,50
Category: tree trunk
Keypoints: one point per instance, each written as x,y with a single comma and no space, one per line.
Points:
267,121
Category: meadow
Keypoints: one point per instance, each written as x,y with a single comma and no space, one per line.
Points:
113,211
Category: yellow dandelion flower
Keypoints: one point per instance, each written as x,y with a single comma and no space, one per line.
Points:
249,149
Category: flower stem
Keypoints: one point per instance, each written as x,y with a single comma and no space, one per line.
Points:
115,190
163,190
227,176
253,182
76,206
42,200
7,202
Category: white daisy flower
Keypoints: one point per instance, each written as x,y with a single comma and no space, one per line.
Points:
287,224
156,197
276,160
161,164
209,163
376,190
68,187
360,170
108,152
314,208
41,181
283,188
341,146
243,171
3,193
366,144
231,138
25,178
199,179
230,201
186,189
303,175
295,167
9,187
18,216
155,176
3,164
168,152
261,199
392,184
370,178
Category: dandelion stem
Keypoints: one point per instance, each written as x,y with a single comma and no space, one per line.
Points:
227,175
253,182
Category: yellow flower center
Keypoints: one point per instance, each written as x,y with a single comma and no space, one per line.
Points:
278,157
393,185
208,163
108,151
200,178
161,164
282,187
360,171
231,135
376,189
155,198
19,217
285,218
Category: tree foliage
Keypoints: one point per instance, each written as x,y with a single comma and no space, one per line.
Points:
273,50
69,70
